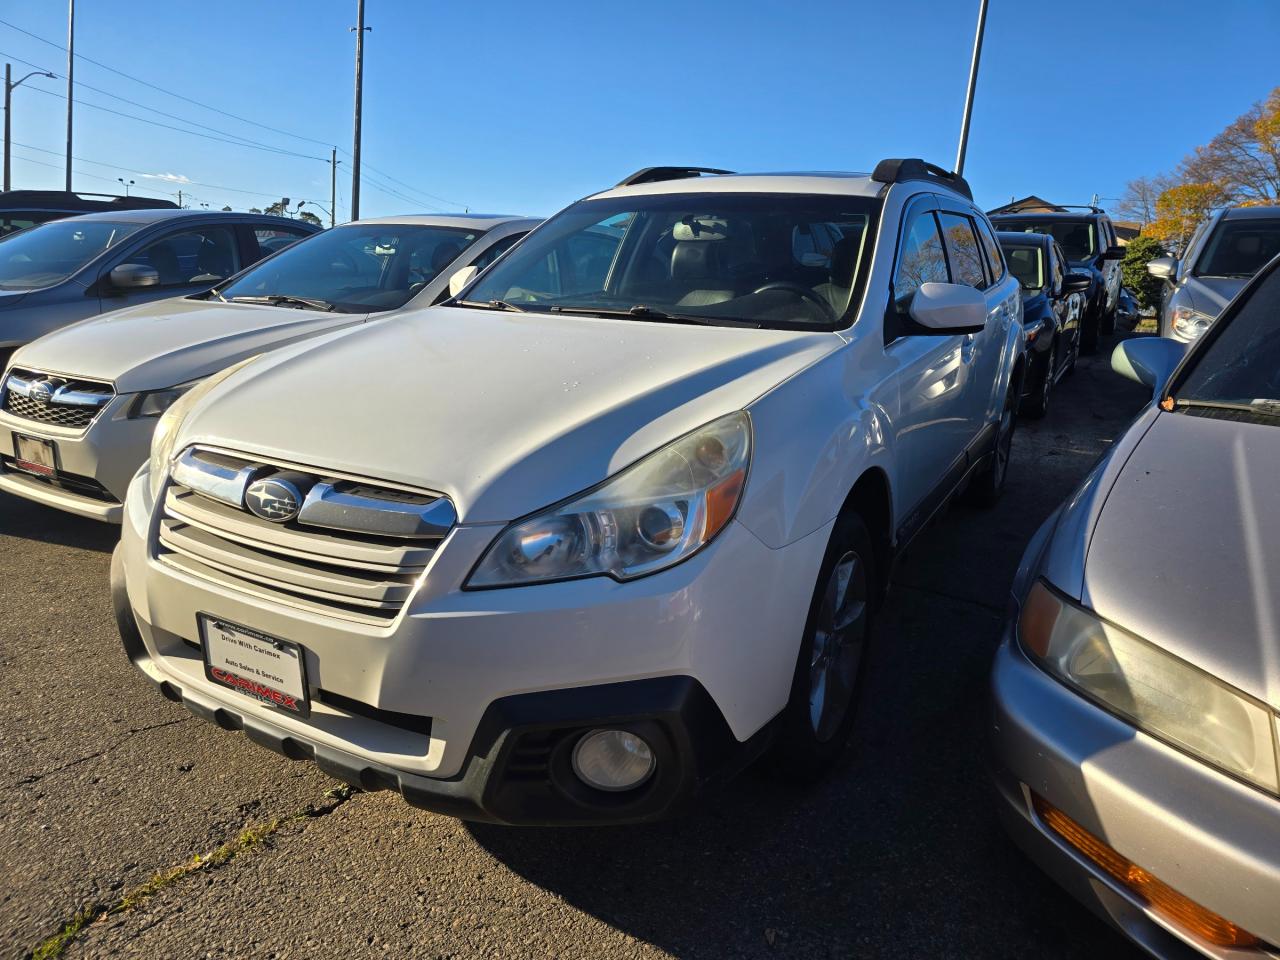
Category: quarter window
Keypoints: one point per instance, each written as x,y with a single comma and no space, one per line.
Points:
994,258
922,260
962,250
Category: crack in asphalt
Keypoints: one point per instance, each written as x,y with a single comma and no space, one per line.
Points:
247,840
133,731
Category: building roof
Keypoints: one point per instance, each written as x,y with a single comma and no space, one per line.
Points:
1029,204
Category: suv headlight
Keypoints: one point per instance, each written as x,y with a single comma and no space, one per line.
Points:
166,433
654,514
1157,692
1190,324
153,403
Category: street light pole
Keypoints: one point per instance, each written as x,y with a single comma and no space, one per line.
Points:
9,87
359,28
973,83
127,184
333,185
71,69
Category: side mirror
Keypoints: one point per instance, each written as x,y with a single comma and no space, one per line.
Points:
1166,268
1149,361
1076,282
949,308
460,279
1113,253
133,276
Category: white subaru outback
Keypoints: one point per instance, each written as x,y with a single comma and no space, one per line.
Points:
609,524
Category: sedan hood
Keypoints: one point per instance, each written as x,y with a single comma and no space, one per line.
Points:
162,344
1185,550
504,413
1210,294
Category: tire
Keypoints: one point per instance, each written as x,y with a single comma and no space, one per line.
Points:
1107,322
1089,332
1071,362
985,489
1036,405
826,686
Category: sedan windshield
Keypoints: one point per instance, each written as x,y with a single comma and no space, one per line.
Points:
1075,236
780,260
362,268
49,253
1239,248
1240,366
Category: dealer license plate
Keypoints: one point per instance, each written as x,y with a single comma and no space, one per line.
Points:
35,455
268,669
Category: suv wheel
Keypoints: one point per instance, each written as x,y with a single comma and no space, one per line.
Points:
818,718
1089,332
1107,321
986,488
1036,405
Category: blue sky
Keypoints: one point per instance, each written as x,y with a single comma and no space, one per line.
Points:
517,106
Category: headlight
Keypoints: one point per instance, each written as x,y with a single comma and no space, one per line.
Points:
1190,324
166,432
155,402
1154,690
650,516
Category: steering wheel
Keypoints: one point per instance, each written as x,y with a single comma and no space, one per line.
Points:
803,292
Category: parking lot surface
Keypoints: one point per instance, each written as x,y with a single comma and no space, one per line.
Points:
111,793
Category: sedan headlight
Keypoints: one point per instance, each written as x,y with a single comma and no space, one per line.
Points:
166,433
1190,324
652,515
1154,690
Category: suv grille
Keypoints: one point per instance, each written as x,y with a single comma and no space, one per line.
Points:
366,576
62,401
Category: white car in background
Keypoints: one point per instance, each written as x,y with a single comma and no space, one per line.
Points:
77,407
604,527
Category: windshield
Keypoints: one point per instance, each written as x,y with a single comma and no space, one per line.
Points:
782,260
1239,248
1075,236
49,253
1241,363
1027,264
357,268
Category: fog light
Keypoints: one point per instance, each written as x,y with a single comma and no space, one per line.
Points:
612,760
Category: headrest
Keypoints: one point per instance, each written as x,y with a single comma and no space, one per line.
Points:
694,261
844,256
701,228
1249,244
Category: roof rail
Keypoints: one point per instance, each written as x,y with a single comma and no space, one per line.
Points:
1080,206
658,174
912,168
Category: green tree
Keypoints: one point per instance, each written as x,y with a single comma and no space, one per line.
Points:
1138,252
310,217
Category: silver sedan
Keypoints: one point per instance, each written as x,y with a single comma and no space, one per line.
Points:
1136,714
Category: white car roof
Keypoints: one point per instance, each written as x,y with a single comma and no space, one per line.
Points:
478,221
846,184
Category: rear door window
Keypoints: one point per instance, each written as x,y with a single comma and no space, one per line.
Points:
962,250
995,260
922,259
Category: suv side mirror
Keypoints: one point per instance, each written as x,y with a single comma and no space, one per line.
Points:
460,279
1166,268
133,276
1149,361
1076,282
1113,253
949,308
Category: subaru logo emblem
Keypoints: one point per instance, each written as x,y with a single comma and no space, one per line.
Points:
273,499
42,390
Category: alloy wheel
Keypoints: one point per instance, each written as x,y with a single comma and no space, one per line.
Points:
838,642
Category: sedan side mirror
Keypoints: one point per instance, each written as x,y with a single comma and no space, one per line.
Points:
1076,282
460,279
133,276
1166,268
1113,253
949,308
1149,361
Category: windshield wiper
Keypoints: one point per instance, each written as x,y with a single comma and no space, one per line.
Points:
284,300
1263,407
642,312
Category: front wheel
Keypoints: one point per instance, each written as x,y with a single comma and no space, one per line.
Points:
985,489
1036,404
818,718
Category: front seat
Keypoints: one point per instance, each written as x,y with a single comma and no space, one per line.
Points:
213,260
695,268
844,257
164,259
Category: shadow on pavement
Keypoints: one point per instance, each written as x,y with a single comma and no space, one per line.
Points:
32,521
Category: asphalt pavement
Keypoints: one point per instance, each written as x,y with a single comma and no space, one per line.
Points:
127,827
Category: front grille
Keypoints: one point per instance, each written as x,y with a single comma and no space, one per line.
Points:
367,577
52,402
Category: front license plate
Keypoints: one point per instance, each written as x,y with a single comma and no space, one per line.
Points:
35,455
271,671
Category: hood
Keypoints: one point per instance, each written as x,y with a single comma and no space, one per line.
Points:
162,344
505,413
1185,550
1209,295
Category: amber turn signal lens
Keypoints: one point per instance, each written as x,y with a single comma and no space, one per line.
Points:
1039,613
1157,894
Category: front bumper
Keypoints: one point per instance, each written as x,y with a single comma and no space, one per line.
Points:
107,453
1209,837
501,679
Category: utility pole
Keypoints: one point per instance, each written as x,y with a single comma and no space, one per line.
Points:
333,185
973,83
71,70
359,29
9,87
179,199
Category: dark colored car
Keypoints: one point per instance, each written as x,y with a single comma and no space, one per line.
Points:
1089,241
68,270
20,209
1051,310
